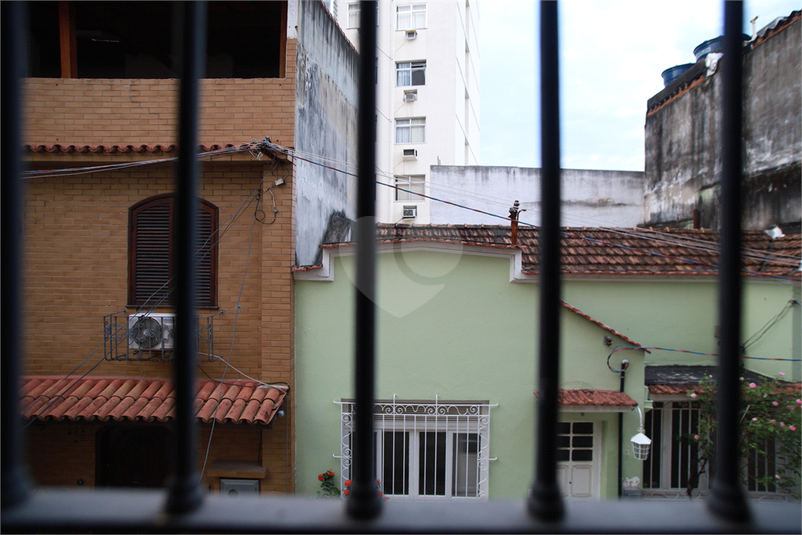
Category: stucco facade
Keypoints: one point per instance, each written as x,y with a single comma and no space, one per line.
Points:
452,326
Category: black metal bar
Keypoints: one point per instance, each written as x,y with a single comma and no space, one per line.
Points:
14,25
185,494
545,501
727,497
364,500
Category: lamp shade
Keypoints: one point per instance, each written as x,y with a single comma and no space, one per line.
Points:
640,446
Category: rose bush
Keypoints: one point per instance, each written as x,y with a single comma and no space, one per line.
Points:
768,422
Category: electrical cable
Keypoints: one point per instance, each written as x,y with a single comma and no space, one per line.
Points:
622,347
769,324
230,351
286,151
75,171
229,222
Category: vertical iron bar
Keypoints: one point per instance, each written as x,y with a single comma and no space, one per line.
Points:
364,501
727,498
14,53
545,501
185,494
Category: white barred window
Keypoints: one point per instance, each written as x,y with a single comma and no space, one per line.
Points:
426,450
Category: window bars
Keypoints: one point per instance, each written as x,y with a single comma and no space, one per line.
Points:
184,508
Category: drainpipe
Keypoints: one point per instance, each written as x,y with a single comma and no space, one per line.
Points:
624,366
514,211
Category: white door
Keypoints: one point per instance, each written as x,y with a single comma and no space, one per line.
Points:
578,459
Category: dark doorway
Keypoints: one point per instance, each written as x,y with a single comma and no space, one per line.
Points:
135,457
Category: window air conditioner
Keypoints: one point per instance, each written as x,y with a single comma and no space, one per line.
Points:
151,332
411,153
412,34
410,212
238,487
410,96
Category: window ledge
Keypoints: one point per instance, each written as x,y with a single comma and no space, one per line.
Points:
143,511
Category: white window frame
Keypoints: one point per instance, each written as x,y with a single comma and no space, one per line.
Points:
415,419
406,70
410,17
410,130
416,183
353,15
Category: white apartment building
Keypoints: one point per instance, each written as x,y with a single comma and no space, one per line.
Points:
427,103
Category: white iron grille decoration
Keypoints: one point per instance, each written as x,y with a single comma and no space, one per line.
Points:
425,449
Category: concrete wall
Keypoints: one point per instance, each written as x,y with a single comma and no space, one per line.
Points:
326,107
682,132
442,333
590,197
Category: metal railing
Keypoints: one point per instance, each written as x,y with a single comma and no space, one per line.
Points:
183,507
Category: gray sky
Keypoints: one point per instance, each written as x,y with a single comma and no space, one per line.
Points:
612,54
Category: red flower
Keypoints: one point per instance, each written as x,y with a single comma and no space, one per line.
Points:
378,481
380,493
346,492
330,473
320,477
347,482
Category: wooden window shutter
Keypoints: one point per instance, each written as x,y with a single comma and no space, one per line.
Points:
150,251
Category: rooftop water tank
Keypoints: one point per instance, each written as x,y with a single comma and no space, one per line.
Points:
712,45
672,73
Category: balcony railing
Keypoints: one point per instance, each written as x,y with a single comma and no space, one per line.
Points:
182,507
151,337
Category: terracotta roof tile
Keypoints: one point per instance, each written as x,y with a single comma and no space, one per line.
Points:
145,399
589,397
120,149
606,251
624,337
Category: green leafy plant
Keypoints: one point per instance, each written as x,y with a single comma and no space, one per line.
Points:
770,423
327,487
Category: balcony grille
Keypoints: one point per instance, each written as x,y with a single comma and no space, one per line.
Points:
184,508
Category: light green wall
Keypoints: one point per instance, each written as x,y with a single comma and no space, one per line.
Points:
451,326
683,315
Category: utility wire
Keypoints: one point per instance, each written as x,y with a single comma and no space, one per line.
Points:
286,151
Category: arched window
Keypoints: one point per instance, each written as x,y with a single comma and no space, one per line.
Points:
150,250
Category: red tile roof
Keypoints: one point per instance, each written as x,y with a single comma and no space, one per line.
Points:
119,149
145,399
588,397
607,251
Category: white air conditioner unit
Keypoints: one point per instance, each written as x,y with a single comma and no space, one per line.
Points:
412,34
238,487
151,332
411,96
411,153
410,212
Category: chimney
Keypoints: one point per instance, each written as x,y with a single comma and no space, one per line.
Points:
514,211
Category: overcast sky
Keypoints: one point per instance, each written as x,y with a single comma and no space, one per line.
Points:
612,55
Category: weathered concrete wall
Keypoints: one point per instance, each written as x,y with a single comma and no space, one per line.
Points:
326,107
590,197
683,128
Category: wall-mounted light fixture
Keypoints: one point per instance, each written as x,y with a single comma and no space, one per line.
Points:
640,442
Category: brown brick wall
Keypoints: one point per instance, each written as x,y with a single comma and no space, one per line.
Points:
75,239
136,112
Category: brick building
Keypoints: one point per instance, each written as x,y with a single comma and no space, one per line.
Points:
100,109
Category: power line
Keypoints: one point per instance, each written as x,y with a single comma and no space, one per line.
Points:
286,151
